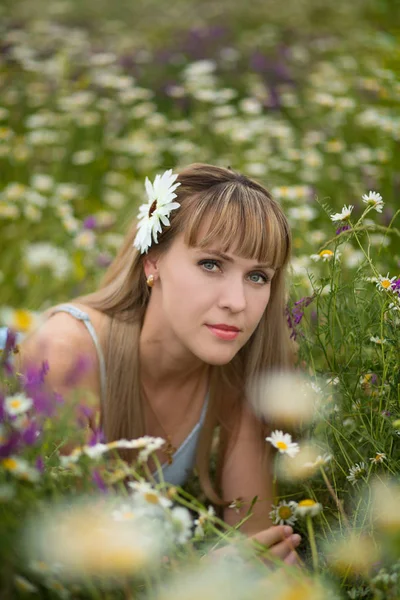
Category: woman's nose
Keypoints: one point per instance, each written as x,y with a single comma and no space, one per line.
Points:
233,296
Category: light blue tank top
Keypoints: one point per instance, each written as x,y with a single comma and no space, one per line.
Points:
183,459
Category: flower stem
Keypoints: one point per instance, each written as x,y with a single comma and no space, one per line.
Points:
335,497
313,545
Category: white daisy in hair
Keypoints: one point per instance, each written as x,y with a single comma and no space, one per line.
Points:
155,213
283,443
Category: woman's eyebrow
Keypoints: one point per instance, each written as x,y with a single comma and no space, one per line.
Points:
231,260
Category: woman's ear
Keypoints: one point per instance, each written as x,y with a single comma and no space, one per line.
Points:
150,265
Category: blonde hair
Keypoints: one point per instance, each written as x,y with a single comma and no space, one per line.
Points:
245,220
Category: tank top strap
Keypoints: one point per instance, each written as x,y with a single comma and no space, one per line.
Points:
204,409
79,314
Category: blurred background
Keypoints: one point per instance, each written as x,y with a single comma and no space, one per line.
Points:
302,95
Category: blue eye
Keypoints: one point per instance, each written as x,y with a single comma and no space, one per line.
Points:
264,278
213,263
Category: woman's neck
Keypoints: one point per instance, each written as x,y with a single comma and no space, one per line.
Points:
164,361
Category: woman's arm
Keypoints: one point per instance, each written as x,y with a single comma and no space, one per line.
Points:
247,473
63,342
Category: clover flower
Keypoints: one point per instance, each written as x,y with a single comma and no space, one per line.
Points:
155,213
373,199
283,443
344,215
284,513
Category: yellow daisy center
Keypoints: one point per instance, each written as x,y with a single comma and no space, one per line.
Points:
128,515
151,497
22,320
307,502
10,464
285,512
325,253
15,403
386,283
281,445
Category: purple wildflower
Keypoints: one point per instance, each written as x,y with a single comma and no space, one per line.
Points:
396,286
82,365
97,437
99,481
11,445
103,260
90,222
34,376
2,409
345,227
40,464
30,435
11,341
43,402
295,315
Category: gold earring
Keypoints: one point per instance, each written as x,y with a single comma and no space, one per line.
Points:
150,281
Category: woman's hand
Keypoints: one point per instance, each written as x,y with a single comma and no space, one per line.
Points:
281,543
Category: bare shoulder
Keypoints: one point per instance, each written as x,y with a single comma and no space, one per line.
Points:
65,343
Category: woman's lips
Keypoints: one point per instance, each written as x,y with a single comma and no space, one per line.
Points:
224,334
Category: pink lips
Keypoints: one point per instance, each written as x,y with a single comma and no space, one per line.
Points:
224,332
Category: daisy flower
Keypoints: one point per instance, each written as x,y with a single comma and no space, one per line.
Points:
308,507
373,199
283,442
344,215
202,520
20,468
378,458
149,494
18,404
320,461
325,255
125,512
155,213
377,340
385,283
23,585
182,524
284,513
357,472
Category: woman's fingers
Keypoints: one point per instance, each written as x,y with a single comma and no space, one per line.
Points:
281,543
292,559
284,548
272,535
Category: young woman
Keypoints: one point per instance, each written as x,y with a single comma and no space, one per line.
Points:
189,312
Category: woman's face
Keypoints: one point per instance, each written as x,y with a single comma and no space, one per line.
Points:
197,290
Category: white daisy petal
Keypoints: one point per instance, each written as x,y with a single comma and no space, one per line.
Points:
160,192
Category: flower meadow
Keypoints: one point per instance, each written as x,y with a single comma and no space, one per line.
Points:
303,97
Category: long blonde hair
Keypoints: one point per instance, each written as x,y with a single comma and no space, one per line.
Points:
245,220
